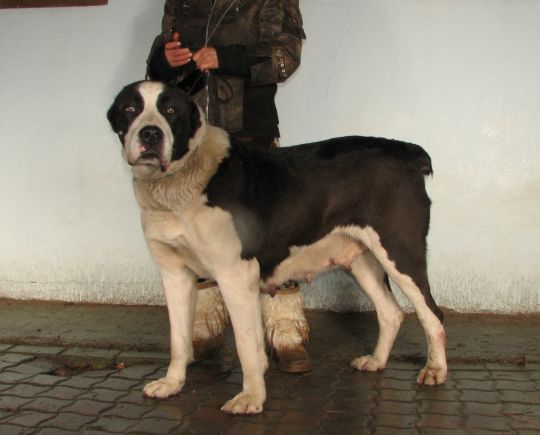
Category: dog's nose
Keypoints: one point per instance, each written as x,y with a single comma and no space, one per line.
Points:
151,135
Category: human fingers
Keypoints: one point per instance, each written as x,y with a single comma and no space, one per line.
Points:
178,56
206,58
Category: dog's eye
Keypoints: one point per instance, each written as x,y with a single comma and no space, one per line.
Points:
129,109
171,110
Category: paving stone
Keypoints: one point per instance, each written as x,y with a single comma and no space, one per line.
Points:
26,391
487,409
9,377
44,380
127,410
154,426
88,407
12,403
494,423
79,382
61,392
168,412
135,372
30,418
441,421
119,384
301,418
246,428
471,375
5,347
392,407
397,395
88,357
395,421
46,404
53,431
515,386
110,424
131,358
480,396
521,396
15,358
68,421
438,394
40,351
9,429
469,384
99,374
519,376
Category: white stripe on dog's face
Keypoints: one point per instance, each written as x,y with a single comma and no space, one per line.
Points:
136,152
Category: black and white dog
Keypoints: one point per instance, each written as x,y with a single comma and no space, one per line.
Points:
255,218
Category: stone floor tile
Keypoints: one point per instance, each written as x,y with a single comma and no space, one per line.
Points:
80,382
12,403
46,404
439,421
395,421
110,424
30,418
61,392
156,426
137,372
41,351
119,384
493,423
88,407
440,407
68,421
102,395
15,358
26,391
45,380
481,396
127,410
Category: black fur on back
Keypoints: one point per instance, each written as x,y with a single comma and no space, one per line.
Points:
294,196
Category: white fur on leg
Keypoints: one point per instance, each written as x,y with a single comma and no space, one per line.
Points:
370,275
240,288
284,321
179,288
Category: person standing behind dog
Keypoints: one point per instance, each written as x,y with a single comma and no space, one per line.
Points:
230,55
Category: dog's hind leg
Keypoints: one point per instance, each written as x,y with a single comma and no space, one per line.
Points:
410,275
371,277
179,288
239,285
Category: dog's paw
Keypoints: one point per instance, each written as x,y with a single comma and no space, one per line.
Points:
432,376
163,388
367,363
244,403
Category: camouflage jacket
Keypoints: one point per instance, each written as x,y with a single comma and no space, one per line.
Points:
258,44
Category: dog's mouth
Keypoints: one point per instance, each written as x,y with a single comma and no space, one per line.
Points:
151,158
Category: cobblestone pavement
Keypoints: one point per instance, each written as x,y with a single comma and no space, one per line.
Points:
46,389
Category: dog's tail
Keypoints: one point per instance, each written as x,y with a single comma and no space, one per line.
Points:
419,159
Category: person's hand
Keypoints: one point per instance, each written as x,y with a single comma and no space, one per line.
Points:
174,53
206,58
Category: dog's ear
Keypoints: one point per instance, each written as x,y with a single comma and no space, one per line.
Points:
112,116
195,118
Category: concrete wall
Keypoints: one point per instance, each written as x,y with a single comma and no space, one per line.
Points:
459,77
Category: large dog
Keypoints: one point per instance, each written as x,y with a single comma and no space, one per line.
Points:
255,218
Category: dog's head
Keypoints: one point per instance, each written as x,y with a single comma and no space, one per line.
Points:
156,124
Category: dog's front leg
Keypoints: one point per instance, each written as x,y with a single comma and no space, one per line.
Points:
179,288
240,288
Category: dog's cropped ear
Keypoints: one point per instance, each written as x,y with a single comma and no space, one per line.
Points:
195,118
112,116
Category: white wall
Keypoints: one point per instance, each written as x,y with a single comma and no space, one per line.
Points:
459,77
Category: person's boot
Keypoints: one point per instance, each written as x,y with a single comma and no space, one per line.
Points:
211,320
286,329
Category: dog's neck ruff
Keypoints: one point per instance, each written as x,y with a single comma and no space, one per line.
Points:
189,175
